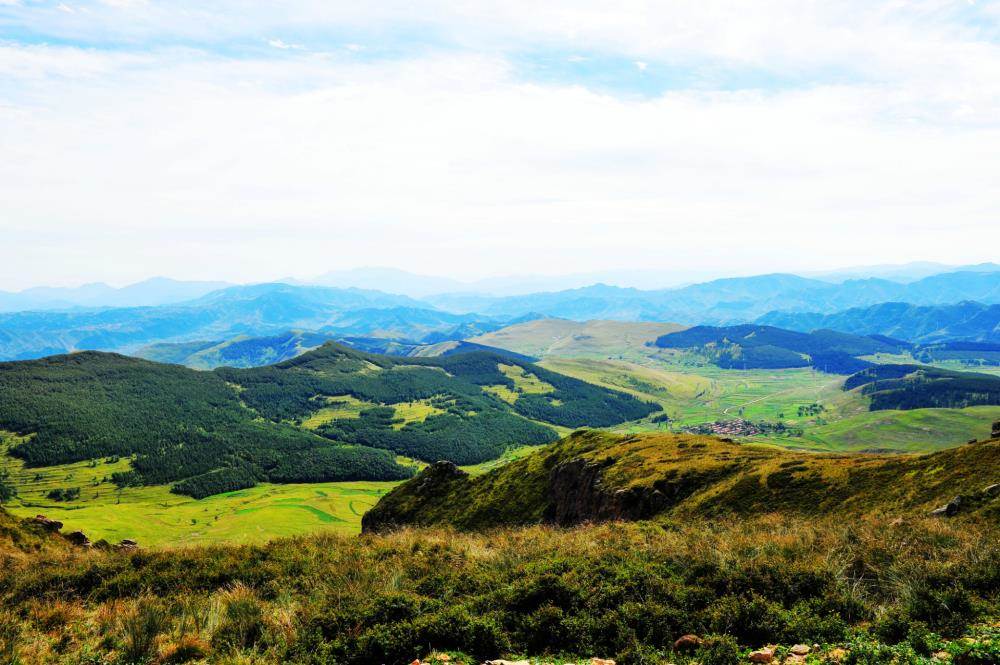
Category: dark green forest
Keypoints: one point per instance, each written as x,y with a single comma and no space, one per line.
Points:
919,387
210,432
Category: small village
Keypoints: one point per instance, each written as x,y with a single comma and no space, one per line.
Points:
738,427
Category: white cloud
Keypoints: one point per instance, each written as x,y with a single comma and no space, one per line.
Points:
119,164
640,65
279,44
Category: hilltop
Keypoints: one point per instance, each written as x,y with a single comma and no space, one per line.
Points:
593,476
241,351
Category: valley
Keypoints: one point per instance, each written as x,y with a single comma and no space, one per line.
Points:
268,456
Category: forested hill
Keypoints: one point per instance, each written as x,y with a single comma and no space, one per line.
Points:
330,414
767,347
919,386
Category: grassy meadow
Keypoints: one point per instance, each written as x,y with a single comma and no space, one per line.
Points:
154,516
860,593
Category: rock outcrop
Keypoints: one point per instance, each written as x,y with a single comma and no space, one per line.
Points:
45,523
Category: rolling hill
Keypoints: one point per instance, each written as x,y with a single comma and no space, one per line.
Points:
594,476
562,337
330,414
767,347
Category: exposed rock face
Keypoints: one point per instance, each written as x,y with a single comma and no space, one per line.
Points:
578,494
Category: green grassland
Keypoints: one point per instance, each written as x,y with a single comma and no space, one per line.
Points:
154,516
697,394
692,393
917,430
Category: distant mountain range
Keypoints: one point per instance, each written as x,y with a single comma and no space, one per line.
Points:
151,292
266,310
731,300
253,311
245,351
967,320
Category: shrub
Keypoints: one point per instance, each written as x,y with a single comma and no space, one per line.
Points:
10,637
185,650
141,626
242,622
720,650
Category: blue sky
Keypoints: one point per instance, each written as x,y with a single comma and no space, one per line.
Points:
248,141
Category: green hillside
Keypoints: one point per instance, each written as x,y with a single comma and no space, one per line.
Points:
333,414
593,476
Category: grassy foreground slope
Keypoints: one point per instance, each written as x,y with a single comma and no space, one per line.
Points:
869,591
594,476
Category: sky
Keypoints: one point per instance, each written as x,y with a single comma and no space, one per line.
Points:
251,141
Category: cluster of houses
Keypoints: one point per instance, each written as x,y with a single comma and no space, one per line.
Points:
728,428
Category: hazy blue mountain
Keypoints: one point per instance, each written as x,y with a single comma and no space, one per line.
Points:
244,351
154,291
240,351
417,324
733,300
916,323
389,280
903,272
258,310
